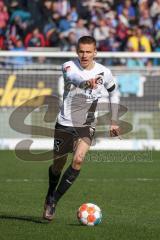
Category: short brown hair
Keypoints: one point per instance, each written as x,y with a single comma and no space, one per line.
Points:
86,40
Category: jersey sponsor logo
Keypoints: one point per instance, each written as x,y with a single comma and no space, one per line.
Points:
99,78
101,74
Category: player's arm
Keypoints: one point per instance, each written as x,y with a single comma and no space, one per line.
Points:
73,78
114,101
114,98
90,83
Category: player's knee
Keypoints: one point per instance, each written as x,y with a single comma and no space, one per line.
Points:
78,158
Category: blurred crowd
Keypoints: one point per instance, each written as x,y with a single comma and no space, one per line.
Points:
131,25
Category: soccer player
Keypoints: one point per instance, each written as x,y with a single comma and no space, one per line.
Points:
84,80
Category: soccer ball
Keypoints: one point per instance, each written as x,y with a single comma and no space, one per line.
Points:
89,214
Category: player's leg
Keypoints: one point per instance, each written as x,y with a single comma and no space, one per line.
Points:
72,172
62,145
79,154
54,175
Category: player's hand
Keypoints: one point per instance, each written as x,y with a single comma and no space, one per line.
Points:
92,83
114,130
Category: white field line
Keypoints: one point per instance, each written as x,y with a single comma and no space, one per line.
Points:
27,180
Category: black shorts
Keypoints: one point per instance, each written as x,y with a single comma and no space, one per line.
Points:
65,137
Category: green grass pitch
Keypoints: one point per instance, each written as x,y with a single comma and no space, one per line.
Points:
126,186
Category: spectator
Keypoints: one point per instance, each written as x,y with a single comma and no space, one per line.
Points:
127,6
74,14
62,7
35,7
51,34
112,41
111,19
62,21
91,28
69,43
145,19
101,33
3,16
80,29
122,31
155,8
72,41
35,39
83,10
23,15
156,61
65,7
65,23
157,23
142,5
2,45
138,41
47,12
15,30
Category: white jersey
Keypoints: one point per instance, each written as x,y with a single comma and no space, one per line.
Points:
80,104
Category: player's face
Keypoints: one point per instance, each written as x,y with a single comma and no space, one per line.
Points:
86,53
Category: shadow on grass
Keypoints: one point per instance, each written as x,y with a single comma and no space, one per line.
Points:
78,225
23,218
75,225
84,226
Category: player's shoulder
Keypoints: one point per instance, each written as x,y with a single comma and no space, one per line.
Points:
103,68
68,65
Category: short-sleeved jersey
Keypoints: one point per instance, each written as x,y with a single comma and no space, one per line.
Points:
79,103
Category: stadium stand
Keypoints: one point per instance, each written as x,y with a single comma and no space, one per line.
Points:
116,25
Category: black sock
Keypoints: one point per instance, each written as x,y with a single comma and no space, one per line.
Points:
53,181
67,180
